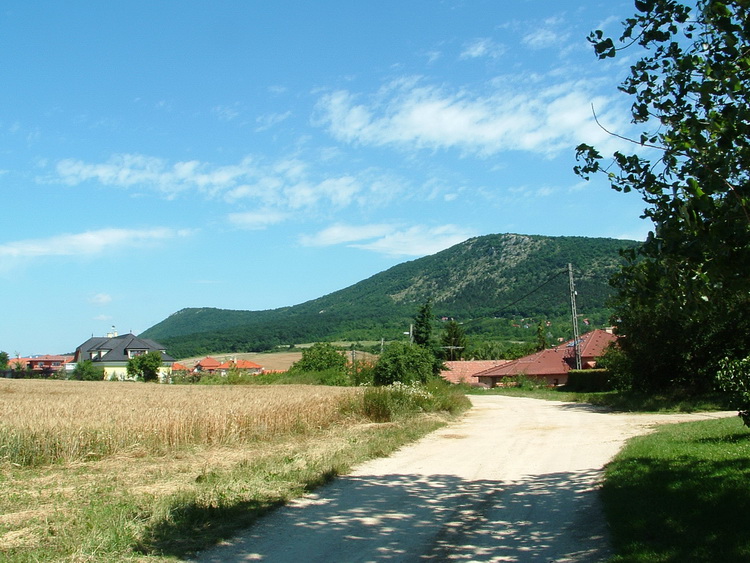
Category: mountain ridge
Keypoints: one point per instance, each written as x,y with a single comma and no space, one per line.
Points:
481,281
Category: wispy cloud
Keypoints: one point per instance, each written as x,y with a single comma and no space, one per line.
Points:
524,116
391,240
344,234
256,220
267,121
482,48
86,244
285,184
100,299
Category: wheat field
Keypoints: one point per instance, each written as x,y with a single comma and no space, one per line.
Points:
62,421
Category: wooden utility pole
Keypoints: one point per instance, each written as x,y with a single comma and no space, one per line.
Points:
574,313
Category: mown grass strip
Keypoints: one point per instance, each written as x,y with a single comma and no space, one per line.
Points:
682,494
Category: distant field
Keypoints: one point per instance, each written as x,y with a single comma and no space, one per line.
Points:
272,361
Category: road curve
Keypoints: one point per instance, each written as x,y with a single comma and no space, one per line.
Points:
514,480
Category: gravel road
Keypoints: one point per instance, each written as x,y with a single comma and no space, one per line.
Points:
514,480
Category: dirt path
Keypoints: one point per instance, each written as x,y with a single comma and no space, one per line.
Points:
514,480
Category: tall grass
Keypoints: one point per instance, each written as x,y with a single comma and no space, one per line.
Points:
160,471
44,422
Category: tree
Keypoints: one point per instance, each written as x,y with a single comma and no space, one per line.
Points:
683,299
4,360
422,331
402,363
321,356
453,341
541,336
87,371
145,366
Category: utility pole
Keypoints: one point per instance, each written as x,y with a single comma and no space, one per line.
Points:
574,313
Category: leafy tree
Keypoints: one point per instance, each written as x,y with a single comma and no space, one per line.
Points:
453,341
145,366
683,298
321,356
541,336
4,360
87,371
402,363
422,331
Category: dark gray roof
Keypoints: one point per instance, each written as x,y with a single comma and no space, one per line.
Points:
117,348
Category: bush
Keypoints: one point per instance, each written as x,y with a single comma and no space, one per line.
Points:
733,377
321,356
588,380
87,371
402,363
391,402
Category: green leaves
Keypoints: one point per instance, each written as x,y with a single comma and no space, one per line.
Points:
691,93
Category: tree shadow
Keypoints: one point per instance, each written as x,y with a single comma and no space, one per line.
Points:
553,517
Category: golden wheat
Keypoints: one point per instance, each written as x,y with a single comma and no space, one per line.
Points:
51,421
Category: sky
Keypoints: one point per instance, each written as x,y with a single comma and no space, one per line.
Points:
253,155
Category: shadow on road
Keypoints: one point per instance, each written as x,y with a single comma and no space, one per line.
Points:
441,517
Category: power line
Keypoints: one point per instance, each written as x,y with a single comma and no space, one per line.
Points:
533,291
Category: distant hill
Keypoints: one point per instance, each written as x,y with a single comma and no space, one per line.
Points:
496,285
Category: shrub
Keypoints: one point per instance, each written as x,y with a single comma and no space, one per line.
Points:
321,356
733,377
401,363
588,380
391,402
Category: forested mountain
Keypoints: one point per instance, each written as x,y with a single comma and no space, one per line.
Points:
496,285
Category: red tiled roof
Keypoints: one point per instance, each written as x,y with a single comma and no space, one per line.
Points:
240,364
177,366
552,362
464,371
208,363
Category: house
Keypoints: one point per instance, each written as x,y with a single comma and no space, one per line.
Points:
46,364
552,365
465,370
112,353
245,366
207,365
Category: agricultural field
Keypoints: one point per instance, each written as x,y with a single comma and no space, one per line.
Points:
101,471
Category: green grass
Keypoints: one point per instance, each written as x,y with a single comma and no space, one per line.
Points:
624,401
682,494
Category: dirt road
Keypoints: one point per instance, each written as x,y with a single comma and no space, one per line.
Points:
514,480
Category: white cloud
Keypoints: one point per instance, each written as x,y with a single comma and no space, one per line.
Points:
482,48
100,299
287,184
256,220
342,234
418,241
269,120
512,116
390,240
89,243
227,113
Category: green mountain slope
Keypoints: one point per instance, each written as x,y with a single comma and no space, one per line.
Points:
493,284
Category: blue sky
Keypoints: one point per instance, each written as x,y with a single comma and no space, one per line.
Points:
253,155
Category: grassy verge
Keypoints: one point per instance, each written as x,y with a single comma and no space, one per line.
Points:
681,494
173,489
625,401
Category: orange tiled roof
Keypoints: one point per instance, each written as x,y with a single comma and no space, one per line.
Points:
555,361
464,371
208,363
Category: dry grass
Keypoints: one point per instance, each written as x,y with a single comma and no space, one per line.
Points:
63,421
105,471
